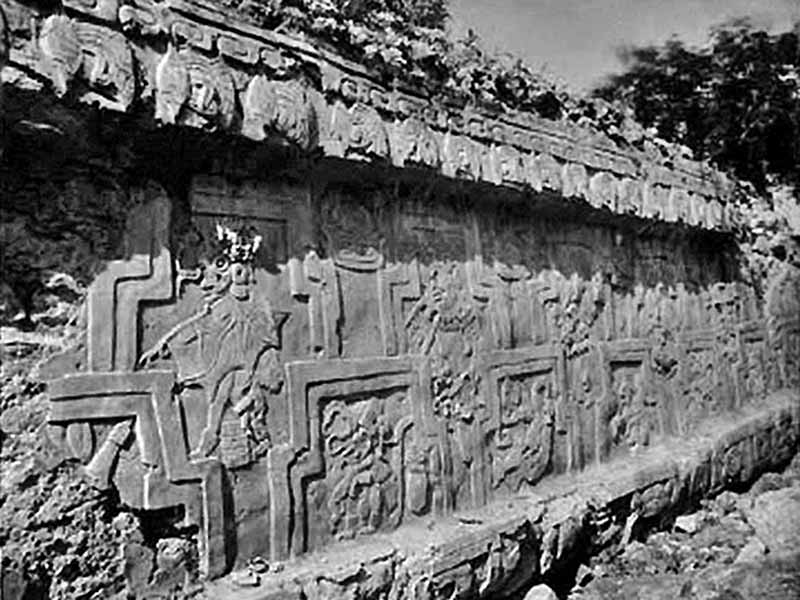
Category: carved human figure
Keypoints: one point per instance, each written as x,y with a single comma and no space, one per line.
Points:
235,337
525,438
366,493
629,424
445,325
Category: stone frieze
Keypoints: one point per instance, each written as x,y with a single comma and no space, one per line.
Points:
287,395
186,62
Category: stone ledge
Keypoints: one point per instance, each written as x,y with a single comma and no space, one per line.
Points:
188,63
520,540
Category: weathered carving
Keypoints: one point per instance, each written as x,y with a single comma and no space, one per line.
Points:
603,191
544,173
149,17
194,90
228,348
782,309
102,58
104,10
629,199
630,415
509,165
359,131
356,424
61,48
313,280
416,144
575,180
462,157
445,325
112,400
363,456
522,389
279,106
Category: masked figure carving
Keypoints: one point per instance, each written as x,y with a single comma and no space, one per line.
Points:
228,349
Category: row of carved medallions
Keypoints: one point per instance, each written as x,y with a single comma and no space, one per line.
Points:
215,78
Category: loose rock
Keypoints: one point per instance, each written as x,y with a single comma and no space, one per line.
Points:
688,523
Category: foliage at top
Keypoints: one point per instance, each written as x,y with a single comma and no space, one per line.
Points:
406,41
735,102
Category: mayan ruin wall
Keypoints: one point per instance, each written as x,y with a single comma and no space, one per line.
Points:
400,348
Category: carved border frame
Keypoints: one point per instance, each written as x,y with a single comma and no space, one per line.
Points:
633,350
752,333
499,364
309,383
689,342
146,397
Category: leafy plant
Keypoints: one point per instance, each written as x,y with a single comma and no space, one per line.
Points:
735,101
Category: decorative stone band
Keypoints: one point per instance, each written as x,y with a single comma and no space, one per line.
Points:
518,541
207,71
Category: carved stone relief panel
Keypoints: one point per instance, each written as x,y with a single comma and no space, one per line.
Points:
577,420
699,376
102,59
367,456
226,353
629,415
415,358
782,308
755,370
522,390
364,446
299,285
446,325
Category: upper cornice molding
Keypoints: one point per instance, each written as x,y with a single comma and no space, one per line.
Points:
189,63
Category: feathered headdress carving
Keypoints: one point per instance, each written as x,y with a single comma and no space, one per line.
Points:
238,245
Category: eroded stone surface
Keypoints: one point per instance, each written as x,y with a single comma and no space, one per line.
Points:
277,355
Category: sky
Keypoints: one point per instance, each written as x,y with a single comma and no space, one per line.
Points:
575,41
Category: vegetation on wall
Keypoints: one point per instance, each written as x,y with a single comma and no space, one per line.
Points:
407,41
735,101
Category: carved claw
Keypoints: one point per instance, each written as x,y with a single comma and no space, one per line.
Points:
146,357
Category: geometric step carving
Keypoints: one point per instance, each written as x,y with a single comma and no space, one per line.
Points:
169,478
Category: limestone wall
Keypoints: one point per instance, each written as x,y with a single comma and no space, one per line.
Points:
296,365
308,308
